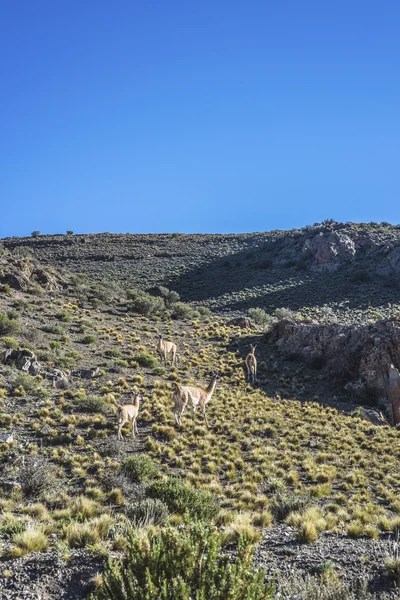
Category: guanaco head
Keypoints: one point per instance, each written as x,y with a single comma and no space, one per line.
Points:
253,347
214,375
136,398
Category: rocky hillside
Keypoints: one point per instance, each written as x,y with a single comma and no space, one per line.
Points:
298,464
352,268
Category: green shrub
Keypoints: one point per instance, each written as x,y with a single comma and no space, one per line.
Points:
180,310
8,325
260,317
178,564
91,404
285,502
140,467
29,383
6,289
113,353
146,360
53,329
181,498
204,311
149,511
89,339
35,233
145,304
64,316
10,342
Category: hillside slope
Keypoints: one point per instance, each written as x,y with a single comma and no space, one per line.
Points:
352,268
282,461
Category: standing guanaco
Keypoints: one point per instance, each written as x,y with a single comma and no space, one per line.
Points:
129,412
251,364
197,396
166,349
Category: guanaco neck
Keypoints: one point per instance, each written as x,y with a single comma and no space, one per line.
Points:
211,387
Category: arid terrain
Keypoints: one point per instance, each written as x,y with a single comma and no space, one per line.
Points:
303,465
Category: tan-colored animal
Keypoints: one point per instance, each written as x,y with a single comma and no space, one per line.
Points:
166,349
196,396
394,392
129,412
251,364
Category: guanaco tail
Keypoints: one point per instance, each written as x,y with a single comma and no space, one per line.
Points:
197,396
129,412
165,350
251,364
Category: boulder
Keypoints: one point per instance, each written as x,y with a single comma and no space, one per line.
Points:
361,358
329,250
87,373
243,323
23,359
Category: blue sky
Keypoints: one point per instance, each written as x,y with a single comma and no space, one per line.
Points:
197,116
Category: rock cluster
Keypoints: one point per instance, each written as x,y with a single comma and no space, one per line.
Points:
363,358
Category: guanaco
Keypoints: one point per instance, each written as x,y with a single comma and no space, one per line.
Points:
129,412
166,349
183,394
251,364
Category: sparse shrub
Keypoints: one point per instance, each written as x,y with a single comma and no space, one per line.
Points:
10,342
35,476
57,329
392,562
140,467
183,563
144,359
30,384
181,498
92,404
180,310
145,304
204,311
260,317
309,587
8,325
284,313
112,353
149,511
10,525
285,502
6,289
89,339
30,540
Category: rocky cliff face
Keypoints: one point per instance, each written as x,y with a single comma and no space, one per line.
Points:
361,358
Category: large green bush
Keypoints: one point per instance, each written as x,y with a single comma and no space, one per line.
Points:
181,498
140,467
183,564
145,304
260,317
144,359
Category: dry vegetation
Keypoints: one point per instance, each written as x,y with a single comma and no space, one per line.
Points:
263,463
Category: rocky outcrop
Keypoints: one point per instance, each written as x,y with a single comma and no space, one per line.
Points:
26,361
87,373
361,358
329,250
23,273
23,359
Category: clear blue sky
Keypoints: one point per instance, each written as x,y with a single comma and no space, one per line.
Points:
208,116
